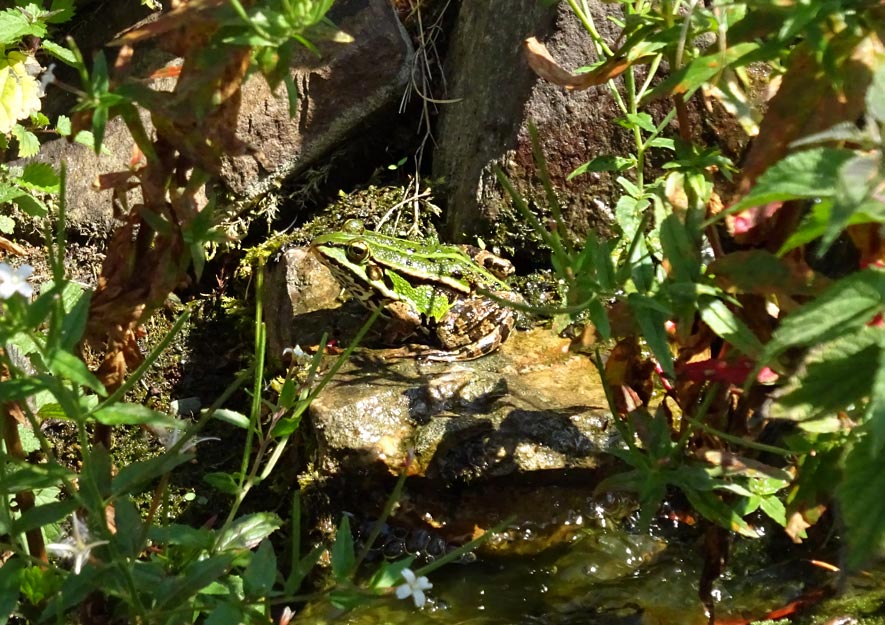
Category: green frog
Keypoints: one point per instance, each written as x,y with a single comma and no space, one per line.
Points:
429,288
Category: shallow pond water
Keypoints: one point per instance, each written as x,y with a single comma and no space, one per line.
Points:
614,577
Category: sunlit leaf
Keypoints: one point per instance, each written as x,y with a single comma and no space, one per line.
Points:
847,305
835,375
861,502
343,555
248,531
19,90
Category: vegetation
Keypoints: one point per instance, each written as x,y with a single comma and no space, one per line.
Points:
720,298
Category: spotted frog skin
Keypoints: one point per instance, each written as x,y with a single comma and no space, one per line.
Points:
430,288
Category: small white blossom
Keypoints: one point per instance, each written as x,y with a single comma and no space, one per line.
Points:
76,546
414,587
14,281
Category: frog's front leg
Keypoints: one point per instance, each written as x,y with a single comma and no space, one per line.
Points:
473,327
402,322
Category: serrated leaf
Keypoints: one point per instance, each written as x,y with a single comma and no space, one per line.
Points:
14,25
31,205
836,374
809,174
847,305
63,125
861,502
28,144
41,176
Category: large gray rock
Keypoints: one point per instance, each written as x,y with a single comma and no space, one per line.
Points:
338,91
499,96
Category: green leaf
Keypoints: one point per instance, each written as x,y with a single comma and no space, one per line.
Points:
40,176
847,305
76,306
343,557
135,414
31,205
248,531
129,528
712,508
861,502
67,366
390,573
808,174
774,508
10,572
835,375
726,325
604,163
259,576
222,481
638,120
681,249
14,26
133,475
875,416
63,125
651,320
226,614
875,98
196,576
44,515
7,224
28,143
687,79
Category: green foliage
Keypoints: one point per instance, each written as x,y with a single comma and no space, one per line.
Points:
724,321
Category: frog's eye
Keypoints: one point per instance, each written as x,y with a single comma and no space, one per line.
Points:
353,226
357,251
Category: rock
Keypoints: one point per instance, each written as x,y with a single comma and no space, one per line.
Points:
488,125
502,415
337,93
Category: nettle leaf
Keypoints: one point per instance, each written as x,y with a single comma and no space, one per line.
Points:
808,174
848,305
40,176
861,502
835,375
875,417
28,143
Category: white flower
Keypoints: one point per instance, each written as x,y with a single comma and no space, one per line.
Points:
76,546
414,587
14,281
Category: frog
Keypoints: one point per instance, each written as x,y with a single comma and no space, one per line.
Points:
451,294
